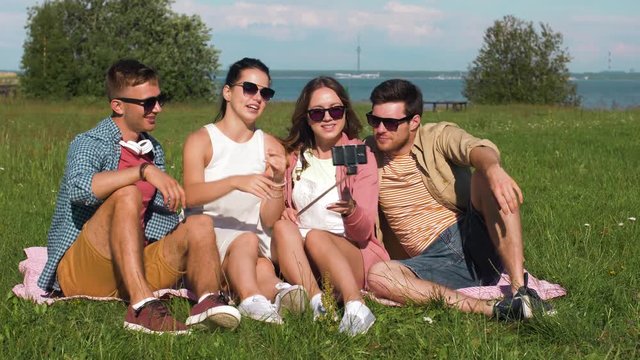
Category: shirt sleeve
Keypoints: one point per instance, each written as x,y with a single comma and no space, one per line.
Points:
456,144
84,159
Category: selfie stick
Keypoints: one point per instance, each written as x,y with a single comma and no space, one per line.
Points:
320,196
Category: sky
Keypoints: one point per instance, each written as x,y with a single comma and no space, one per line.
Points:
437,35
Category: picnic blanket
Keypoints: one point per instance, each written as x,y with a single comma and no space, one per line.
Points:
37,257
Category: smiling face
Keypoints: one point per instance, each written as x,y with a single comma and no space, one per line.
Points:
328,131
245,106
132,119
396,142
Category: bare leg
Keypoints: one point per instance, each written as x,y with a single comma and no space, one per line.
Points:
287,247
341,259
115,232
394,281
192,245
240,265
267,279
504,229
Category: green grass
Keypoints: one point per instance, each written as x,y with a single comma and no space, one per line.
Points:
575,167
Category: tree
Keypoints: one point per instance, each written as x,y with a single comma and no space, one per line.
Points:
71,43
516,64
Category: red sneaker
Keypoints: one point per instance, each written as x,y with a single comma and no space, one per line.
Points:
214,311
153,318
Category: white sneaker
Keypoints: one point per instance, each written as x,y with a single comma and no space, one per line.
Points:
320,311
357,319
291,298
259,308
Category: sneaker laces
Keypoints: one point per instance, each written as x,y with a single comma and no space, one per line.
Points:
156,307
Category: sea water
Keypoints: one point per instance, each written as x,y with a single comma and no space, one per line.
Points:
598,91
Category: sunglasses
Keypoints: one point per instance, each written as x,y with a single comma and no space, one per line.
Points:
389,123
336,113
148,104
250,89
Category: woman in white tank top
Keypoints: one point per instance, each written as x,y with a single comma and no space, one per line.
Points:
335,232
235,174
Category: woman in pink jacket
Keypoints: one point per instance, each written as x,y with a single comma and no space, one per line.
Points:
335,234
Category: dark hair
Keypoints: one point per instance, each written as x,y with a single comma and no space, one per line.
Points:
300,134
399,90
234,74
127,72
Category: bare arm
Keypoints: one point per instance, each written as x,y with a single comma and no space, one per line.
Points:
505,190
106,182
272,207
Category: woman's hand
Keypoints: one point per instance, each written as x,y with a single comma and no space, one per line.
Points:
343,207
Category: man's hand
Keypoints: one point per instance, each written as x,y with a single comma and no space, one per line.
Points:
170,189
505,190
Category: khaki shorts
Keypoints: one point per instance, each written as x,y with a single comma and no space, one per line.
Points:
84,271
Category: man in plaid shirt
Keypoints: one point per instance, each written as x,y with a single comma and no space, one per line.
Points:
115,231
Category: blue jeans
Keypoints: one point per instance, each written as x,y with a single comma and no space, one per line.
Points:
462,256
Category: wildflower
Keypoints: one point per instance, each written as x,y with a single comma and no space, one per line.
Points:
630,219
620,224
1,168
587,225
427,320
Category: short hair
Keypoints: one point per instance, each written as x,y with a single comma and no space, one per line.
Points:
301,136
234,74
128,72
399,90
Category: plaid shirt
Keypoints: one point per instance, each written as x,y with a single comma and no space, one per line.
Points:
95,151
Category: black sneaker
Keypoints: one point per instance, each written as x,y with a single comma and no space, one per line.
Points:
525,304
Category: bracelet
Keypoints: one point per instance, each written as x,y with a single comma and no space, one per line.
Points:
278,197
143,166
284,182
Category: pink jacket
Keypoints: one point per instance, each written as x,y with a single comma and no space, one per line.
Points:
363,187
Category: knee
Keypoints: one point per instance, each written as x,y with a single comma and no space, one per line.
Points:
200,228
379,278
284,232
314,241
127,198
246,244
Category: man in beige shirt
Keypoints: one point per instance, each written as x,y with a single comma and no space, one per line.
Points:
448,227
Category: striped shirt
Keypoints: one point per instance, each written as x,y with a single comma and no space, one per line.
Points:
413,214
95,151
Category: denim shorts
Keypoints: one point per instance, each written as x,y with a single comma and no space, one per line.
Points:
461,256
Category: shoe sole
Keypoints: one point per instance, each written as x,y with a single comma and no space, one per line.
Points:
293,301
142,329
223,316
264,318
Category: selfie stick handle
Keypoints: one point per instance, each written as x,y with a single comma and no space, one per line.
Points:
320,196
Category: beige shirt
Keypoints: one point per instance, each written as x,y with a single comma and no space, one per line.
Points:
412,213
442,153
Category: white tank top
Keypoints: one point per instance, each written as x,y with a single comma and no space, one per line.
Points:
236,210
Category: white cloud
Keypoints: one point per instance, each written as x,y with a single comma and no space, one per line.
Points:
397,21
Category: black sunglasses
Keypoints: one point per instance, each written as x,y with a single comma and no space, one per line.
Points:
336,113
389,123
250,89
148,104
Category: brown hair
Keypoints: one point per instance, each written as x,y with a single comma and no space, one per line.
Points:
300,134
128,72
399,90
